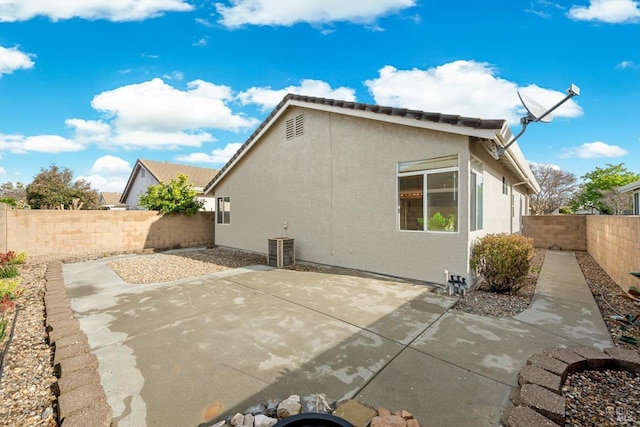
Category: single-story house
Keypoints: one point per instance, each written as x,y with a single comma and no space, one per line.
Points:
149,172
111,201
388,190
634,188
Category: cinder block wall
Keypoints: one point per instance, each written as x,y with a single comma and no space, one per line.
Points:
569,232
614,243
612,240
44,232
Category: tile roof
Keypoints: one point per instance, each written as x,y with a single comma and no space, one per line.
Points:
497,128
449,119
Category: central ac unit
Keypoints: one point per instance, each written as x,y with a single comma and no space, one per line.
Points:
282,252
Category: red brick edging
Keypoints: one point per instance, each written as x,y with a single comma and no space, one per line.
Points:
539,401
81,398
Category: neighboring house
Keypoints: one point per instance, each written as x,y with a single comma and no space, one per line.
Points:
148,172
111,201
387,190
633,188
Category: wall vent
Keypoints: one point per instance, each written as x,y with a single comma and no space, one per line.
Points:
295,126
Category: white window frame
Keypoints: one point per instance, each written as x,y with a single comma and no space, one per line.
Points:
476,219
425,204
223,210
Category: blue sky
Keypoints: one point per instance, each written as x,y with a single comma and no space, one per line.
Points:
93,85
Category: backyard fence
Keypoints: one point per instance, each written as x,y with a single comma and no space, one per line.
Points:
48,232
612,240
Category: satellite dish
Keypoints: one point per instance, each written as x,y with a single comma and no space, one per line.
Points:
536,112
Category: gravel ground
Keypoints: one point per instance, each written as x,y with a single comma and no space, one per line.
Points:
483,303
26,398
606,398
27,376
163,267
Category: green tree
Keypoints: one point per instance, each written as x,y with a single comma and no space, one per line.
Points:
55,188
176,196
598,183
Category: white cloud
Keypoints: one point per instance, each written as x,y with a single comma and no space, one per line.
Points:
594,150
102,184
160,140
268,98
204,22
109,173
111,165
20,144
200,43
544,164
3,171
609,11
175,75
627,64
217,156
154,114
88,131
11,59
466,88
120,10
290,12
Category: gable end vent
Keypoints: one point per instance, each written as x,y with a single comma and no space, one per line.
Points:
295,126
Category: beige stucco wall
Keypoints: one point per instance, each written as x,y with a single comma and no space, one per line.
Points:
336,189
614,243
39,232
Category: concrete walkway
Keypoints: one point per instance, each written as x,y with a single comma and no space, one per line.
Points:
176,353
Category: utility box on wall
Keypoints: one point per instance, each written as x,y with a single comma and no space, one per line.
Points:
282,252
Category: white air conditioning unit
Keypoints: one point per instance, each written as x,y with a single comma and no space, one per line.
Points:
282,252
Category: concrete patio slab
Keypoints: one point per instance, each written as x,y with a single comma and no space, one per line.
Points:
185,352
496,348
437,392
378,305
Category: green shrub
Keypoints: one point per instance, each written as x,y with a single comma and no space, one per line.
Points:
8,271
19,258
10,287
503,261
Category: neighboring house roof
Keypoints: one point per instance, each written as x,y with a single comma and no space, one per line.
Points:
165,172
491,133
630,187
110,199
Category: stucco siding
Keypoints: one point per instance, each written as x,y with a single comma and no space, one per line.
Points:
138,188
336,188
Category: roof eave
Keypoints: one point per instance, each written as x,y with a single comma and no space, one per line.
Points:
484,129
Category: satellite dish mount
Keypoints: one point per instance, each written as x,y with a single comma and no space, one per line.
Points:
536,113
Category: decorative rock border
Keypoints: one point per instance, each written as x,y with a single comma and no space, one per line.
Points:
539,401
81,398
355,413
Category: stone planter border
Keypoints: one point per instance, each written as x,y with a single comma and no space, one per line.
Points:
539,401
82,401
